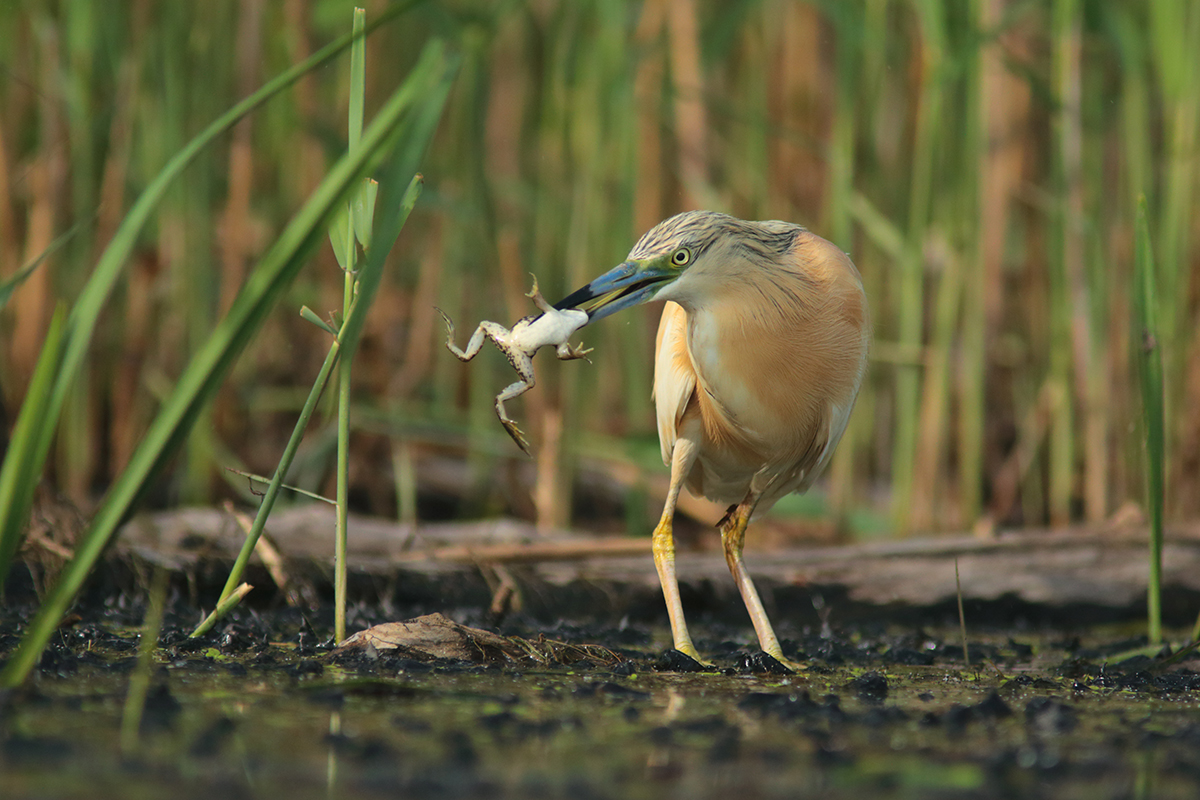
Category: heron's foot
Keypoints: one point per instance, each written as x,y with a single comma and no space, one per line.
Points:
675,660
689,650
771,664
516,434
778,655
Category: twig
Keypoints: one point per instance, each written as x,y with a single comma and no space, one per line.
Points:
263,479
538,551
962,618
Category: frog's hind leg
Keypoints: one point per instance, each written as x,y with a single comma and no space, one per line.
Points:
473,346
510,392
524,368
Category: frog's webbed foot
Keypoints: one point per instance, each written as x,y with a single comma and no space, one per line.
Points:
449,323
525,370
566,352
473,346
536,295
514,390
516,434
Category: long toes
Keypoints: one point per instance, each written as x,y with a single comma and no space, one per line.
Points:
689,650
678,661
794,666
449,324
515,433
578,352
785,661
763,662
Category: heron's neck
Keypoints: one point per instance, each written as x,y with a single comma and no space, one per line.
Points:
741,291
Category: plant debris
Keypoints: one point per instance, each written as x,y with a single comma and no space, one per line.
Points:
433,636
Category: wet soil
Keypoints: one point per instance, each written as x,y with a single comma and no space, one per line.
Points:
264,707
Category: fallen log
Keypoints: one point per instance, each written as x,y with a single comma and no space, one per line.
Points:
1101,566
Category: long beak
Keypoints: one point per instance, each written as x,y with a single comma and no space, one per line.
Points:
625,285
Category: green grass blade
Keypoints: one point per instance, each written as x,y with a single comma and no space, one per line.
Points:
18,478
1150,371
415,139
13,282
273,488
81,323
200,380
396,203
358,72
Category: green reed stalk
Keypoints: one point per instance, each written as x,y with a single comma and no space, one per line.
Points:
21,469
27,454
1150,371
849,24
1174,30
911,299
254,302
971,401
357,98
1061,268
345,342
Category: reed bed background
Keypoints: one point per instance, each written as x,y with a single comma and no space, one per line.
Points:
979,159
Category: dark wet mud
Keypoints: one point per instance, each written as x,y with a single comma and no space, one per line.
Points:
263,707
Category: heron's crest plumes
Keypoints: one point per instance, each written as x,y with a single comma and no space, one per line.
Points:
699,231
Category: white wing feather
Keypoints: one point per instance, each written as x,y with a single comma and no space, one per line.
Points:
674,379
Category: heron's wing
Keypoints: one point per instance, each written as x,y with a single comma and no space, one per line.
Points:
674,375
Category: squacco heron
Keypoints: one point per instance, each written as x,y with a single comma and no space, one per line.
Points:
761,350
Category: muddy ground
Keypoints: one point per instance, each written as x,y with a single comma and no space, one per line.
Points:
886,707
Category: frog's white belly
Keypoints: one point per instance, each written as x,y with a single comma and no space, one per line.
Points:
552,328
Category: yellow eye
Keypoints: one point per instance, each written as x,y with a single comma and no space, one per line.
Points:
681,257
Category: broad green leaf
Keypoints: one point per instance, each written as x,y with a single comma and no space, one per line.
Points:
363,212
339,231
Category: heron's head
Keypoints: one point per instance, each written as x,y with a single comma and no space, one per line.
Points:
679,257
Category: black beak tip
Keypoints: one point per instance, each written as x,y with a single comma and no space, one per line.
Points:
575,298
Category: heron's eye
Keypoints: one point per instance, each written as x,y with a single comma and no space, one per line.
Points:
681,257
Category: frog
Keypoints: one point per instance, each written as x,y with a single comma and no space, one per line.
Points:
550,327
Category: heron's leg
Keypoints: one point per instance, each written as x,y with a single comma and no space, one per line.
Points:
733,537
663,541
473,346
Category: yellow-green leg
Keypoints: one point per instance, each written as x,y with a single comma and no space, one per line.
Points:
663,543
733,538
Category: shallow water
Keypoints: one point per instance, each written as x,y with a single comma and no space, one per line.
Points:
256,711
